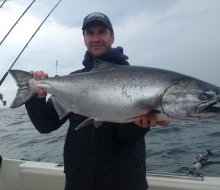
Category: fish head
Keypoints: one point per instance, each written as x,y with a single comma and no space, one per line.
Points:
191,99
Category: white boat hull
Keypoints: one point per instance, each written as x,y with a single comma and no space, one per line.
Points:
26,175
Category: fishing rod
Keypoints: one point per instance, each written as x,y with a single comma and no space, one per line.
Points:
3,3
6,74
16,23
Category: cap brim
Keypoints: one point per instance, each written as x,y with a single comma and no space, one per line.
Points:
91,20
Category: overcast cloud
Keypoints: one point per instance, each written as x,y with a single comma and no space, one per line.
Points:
178,35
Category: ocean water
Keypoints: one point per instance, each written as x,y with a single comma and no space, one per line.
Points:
168,149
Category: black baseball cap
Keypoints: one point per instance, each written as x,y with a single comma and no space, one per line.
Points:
96,17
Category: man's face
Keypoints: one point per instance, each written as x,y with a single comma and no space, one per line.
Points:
98,38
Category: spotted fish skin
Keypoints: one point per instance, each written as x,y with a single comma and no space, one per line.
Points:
118,93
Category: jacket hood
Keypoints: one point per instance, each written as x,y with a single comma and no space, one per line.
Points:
114,55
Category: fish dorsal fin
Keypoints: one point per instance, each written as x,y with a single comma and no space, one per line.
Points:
101,65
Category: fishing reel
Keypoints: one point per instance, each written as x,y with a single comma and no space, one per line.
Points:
1,98
200,161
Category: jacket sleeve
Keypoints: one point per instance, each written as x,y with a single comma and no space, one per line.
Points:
129,133
43,115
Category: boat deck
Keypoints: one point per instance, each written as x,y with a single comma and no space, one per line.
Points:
26,175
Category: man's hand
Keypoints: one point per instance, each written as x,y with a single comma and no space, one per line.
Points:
39,75
149,121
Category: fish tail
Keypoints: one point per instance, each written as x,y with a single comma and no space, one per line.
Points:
23,93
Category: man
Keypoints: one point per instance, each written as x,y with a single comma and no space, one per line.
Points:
111,157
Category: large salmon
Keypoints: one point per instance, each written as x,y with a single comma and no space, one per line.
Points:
118,94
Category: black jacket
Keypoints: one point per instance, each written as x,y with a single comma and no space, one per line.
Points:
111,157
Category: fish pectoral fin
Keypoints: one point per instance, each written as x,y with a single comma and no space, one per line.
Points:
84,123
60,107
153,111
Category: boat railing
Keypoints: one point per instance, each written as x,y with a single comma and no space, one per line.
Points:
175,175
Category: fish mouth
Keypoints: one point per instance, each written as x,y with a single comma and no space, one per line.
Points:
209,107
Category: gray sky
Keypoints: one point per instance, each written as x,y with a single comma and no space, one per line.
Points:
178,35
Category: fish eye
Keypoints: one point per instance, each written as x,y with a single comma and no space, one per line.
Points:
206,96
203,97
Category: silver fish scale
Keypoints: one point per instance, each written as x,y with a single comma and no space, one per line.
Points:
117,93
108,95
